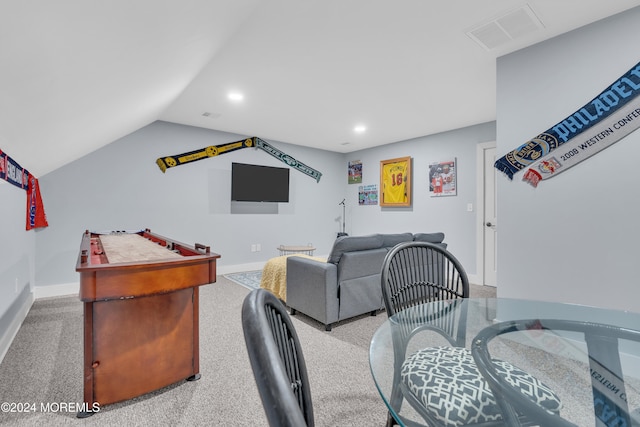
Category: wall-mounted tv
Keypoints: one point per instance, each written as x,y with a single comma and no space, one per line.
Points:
256,183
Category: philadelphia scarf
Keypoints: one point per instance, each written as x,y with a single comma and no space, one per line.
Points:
608,117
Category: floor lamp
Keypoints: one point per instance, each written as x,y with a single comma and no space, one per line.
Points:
343,214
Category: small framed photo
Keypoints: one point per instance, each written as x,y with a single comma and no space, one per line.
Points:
442,178
368,194
355,172
395,182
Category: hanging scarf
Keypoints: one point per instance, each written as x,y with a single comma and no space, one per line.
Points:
285,158
15,174
601,113
599,137
167,162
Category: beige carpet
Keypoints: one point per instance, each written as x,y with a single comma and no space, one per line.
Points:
44,367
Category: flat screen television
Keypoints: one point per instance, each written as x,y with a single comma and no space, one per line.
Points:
255,183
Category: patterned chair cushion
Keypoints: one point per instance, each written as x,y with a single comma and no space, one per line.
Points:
448,383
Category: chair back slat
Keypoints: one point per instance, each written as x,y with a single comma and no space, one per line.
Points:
415,273
277,361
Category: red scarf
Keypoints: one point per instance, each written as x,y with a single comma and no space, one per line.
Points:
13,173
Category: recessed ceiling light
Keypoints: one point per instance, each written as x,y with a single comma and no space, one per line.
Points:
236,96
359,129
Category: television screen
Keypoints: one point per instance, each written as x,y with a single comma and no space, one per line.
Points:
255,183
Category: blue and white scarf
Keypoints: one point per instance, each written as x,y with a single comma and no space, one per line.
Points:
608,117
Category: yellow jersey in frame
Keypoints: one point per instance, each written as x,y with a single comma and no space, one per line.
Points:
394,182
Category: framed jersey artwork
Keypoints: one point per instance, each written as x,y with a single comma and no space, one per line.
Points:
395,182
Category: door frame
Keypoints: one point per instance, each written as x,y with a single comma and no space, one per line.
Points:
480,197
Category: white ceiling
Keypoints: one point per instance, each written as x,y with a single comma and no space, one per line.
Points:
78,74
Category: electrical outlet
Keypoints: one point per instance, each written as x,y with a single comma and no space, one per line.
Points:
469,207
253,248
258,247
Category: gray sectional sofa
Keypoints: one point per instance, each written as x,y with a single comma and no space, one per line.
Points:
348,284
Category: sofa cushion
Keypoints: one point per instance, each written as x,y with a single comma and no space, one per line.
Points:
353,243
429,237
360,263
390,240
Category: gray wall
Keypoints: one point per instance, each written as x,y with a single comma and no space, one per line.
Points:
120,187
575,237
572,239
427,214
17,247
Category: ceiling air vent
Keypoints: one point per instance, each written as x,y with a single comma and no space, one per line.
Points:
509,26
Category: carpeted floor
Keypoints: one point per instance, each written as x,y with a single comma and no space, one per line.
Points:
44,367
41,374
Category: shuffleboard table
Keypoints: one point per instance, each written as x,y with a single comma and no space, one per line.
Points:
141,318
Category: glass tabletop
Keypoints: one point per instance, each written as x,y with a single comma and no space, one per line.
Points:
558,357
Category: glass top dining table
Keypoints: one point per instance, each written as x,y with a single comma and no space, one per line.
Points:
573,349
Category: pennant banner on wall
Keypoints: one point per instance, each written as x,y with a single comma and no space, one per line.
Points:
165,163
15,174
613,110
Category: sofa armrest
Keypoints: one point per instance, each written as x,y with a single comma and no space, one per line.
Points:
312,288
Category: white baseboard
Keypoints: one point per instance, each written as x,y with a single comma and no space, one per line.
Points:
7,338
56,290
227,269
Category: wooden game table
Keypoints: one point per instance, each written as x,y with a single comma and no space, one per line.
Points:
141,318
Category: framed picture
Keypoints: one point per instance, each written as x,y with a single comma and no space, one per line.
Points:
368,194
355,172
442,178
395,182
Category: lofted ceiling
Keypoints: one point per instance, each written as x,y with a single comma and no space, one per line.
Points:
76,75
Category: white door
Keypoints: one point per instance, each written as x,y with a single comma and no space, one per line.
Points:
489,216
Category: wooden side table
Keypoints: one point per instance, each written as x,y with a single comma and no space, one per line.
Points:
286,250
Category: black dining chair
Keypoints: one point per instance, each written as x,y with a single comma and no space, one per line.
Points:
277,361
425,288
610,403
